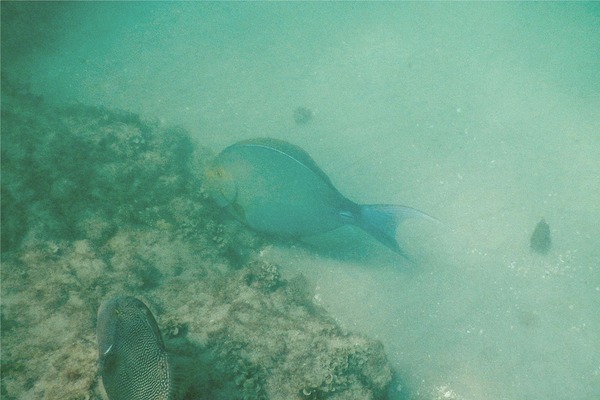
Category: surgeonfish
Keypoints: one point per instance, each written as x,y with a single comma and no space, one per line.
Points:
133,361
275,187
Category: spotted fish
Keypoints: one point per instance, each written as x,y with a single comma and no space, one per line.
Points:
132,357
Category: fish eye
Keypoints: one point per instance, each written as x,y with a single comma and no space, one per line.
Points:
220,185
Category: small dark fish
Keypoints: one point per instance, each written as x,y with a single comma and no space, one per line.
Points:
541,241
277,188
133,361
302,115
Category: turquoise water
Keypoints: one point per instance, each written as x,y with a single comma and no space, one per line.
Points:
483,115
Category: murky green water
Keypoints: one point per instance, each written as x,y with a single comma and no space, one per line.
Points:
483,115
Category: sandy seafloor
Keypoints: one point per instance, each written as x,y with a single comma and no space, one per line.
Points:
483,115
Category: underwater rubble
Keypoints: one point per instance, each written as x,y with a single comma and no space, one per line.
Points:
98,203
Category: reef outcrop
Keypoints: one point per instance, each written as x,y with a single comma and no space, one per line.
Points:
98,203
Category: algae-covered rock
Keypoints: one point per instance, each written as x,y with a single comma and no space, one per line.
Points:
296,350
96,204
81,171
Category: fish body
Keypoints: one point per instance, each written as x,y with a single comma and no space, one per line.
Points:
132,357
276,187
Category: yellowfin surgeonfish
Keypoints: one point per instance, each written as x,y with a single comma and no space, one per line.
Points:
275,187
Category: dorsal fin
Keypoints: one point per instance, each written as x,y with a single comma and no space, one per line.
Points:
289,150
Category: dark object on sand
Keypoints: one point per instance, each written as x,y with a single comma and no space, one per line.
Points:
540,239
302,115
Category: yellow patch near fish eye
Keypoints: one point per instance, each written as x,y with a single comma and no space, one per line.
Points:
220,185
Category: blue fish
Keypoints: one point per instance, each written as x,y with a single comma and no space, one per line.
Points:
275,187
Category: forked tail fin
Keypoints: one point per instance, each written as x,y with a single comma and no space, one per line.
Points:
382,220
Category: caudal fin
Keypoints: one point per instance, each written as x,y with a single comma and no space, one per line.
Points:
382,220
